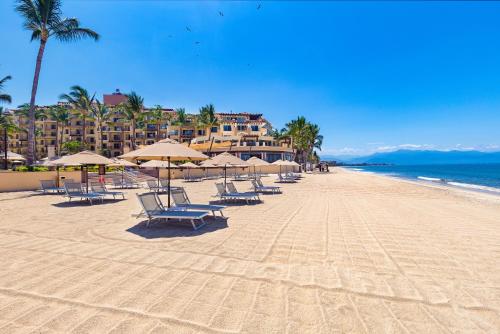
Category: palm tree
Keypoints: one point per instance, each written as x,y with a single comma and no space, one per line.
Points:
305,136
208,118
158,116
297,129
181,119
315,140
40,115
82,102
5,98
133,113
61,116
44,19
102,114
8,126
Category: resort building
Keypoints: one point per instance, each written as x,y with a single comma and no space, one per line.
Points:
243,134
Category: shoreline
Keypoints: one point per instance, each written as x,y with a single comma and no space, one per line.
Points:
492,195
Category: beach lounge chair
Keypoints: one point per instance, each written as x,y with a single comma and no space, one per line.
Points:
74,190
154,187
100,188
49,186
154,209
285,179
240,177
190,178
224,195
181,200
261,188
125,184
231,188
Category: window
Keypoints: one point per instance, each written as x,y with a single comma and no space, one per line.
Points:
201,132
241,127
214,129
272,157
116,145
255,128
104,137
53,127
92,148
227,127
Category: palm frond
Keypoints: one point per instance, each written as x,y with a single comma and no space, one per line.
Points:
5,98
69,29
29,11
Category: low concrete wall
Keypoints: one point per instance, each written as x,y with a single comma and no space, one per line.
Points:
18,181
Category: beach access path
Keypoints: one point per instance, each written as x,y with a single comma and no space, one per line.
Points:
344,252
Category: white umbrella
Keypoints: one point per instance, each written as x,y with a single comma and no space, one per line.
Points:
165,150
84,158
226,159
257,162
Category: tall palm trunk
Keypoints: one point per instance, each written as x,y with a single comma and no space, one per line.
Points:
57,137
83,134
61,139
31,116
132,139
123,138
100,137
5,148
157,132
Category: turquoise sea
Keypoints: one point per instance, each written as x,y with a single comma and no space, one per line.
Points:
484,177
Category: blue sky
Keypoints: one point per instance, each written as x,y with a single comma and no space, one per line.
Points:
374,76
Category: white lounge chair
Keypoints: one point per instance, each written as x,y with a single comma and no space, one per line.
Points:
124,184
259,187
74,190
190,178
154,187
154,209
285,179
181,200
224,195
49,186
100,188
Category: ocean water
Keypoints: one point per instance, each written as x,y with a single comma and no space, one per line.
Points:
484,177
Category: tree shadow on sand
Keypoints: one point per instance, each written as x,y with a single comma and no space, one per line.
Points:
175,229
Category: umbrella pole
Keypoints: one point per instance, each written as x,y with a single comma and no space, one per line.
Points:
87,177
57,182
168,187
158,177
225,172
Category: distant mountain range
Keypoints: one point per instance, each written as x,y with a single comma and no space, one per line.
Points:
415,157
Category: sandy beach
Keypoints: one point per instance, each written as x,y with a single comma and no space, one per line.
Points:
340,253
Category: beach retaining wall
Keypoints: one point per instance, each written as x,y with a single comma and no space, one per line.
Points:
19,181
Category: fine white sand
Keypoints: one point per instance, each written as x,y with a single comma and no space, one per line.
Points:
338,253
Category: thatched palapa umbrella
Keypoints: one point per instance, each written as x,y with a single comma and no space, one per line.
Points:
165,150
